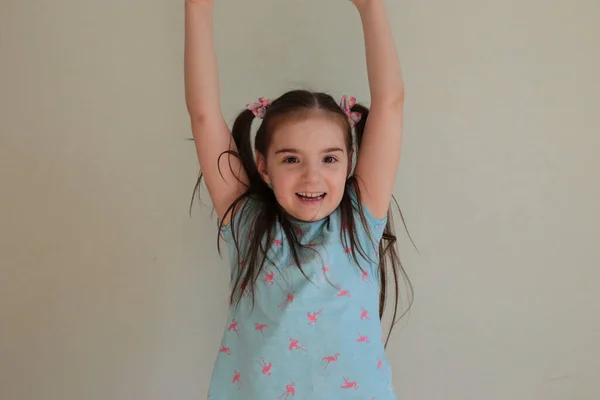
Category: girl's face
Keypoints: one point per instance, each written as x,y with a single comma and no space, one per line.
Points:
307,165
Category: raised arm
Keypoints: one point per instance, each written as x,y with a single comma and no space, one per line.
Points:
211,134
379,154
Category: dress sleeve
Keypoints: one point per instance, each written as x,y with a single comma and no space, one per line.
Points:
240,224
376,226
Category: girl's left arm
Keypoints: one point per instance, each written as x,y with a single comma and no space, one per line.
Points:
379,154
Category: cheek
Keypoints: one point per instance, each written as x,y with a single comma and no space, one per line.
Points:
281,176
337,181
284,181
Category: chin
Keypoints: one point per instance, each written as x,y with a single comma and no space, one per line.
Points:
308,211
312,215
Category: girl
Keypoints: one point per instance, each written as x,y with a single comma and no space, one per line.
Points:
305,230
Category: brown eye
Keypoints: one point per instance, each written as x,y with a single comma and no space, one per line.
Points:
290,160
329,159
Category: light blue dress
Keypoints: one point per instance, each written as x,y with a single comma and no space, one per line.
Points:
317,339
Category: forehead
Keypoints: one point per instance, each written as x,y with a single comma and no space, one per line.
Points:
309,134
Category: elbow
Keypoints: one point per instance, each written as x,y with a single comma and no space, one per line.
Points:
393,101
203,115
398,99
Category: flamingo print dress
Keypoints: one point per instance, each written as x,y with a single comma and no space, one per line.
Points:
318,338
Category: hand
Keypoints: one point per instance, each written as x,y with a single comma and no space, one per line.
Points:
209,2
362,3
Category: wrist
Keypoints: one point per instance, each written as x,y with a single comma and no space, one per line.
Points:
200,4
364,6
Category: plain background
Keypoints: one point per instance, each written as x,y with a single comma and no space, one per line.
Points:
110,290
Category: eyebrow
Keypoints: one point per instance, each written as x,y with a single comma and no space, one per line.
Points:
295,151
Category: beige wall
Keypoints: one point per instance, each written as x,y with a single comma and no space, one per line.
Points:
109,290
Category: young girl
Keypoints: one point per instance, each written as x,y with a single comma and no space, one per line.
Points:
308,234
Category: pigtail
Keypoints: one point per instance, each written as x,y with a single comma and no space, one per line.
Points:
388,255
241,133
359,128
256,210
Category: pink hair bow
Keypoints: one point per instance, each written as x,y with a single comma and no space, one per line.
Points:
260,107
346,104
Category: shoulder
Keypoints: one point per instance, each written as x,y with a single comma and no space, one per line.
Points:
361,213
241,219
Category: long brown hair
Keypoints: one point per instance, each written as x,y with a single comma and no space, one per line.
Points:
297,104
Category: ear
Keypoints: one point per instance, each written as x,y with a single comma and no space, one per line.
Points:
261,166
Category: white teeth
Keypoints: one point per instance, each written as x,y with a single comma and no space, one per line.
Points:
311,195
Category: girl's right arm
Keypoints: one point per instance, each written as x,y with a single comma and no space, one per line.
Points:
209,129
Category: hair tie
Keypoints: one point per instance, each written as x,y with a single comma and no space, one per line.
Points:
260,107
346,104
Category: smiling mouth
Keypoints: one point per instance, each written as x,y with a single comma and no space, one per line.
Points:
311,196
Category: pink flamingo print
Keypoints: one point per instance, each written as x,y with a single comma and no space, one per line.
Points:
245,290
266,368
330,359
289,391
260,327
326,268
237,379
365,277
379,363
294,345
277,242
269,277
362,339
364,314
288,299
349,385
233,326
246,294
225,350
312,317
343,293
348,250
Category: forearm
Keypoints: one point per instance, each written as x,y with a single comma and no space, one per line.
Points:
383,67
200,65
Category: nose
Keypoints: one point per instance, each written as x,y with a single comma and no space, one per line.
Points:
310,173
